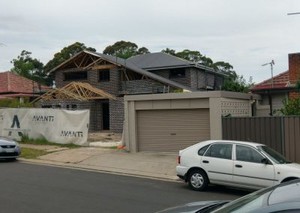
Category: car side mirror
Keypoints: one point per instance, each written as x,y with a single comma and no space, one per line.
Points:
265,161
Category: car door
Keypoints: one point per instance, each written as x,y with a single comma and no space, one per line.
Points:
249,170
217,162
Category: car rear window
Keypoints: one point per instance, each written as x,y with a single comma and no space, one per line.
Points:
202,150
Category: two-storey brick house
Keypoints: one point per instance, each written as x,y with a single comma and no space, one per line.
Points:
145,74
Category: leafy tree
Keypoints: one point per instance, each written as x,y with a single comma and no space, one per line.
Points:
169,51
194,56
233,82
225,68
28,67
124,49
142,50
206,61
236,85
291,106
65,54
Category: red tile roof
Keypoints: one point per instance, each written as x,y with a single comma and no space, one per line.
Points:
13,83
280,81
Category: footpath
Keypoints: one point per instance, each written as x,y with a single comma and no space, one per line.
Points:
100,157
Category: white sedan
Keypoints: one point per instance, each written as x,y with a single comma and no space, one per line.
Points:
234,163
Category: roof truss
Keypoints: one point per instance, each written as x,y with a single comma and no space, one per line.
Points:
84,61
75,91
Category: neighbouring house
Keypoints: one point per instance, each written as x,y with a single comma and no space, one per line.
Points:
19,87
145,74
275,90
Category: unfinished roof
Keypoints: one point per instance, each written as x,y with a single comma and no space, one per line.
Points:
84,62
75,91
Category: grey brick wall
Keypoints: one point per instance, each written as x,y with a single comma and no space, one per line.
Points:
146,86
116,111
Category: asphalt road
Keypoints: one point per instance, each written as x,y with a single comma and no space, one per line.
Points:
38,188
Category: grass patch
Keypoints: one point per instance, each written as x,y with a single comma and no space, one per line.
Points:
29,153
42,141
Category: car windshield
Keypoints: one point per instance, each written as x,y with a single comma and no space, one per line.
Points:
247,203
273,155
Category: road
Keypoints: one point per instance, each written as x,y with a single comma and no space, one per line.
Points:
38,188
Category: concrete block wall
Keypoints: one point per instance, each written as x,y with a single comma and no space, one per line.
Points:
146,86
116,111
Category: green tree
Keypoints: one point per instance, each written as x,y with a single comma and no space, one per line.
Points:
233,82
291,106
142,50
194,56
28,67
206,61
65,54
224,67
237,84
169,51
124,49
190,55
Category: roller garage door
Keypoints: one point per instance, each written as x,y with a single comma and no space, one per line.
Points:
171,130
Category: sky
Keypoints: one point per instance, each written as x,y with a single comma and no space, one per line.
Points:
244,33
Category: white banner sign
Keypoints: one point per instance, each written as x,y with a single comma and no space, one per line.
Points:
55,125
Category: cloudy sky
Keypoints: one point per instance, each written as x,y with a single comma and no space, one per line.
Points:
245,33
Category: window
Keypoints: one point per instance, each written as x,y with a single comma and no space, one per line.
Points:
82,75
202,150
177,73
219,151
104,75
244,153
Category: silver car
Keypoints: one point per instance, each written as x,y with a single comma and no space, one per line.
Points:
9,149
284,197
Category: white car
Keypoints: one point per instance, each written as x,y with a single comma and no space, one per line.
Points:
234,163
9,149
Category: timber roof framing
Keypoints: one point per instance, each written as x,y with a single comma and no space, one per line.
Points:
75,91
96,61
83,61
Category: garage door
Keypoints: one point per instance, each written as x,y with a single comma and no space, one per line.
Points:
171,130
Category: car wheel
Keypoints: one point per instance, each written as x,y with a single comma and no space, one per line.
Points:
197,180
